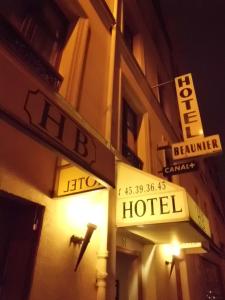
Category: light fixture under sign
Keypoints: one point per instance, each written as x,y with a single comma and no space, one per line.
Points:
172,255
84,241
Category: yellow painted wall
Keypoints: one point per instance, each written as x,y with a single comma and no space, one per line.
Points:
27,170
89,98
157,285
54,273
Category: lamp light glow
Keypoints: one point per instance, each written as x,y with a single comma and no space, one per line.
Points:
171,250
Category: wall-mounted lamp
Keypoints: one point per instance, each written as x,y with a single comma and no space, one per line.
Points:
172,255
174,259
84,241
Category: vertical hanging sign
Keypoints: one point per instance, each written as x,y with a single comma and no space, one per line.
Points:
195,143
188,106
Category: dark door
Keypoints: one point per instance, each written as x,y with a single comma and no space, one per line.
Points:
128,272
20,223
212,280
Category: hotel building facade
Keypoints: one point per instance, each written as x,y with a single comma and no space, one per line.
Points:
88,114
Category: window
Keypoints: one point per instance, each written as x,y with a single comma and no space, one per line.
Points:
36,32
128,35
132,33
130,129
40,23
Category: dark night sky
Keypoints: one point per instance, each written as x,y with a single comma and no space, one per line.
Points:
197,32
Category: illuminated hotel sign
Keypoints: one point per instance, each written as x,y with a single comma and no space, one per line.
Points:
195,143
46,117
155,207
188,107
144,199
73,181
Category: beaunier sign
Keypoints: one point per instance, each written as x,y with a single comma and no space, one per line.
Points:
197,147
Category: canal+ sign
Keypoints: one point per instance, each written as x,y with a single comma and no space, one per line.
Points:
195,143
176,169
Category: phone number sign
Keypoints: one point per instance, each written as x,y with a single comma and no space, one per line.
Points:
141,189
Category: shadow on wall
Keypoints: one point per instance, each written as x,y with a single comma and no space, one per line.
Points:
26,159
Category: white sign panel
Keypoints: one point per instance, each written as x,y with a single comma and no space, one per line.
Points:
146,199
152,209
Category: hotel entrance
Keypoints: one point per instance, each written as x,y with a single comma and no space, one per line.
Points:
162,222
128,272
20,224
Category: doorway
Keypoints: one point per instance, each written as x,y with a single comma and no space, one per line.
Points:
128,282
20,226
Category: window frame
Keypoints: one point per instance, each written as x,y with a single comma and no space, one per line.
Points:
16,43
131,153
132,32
